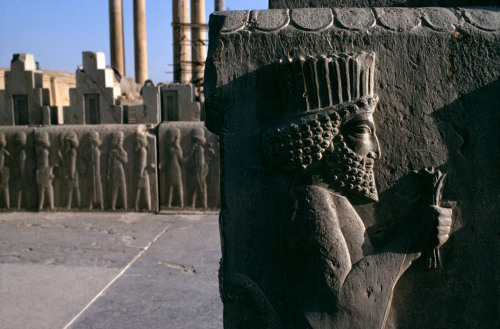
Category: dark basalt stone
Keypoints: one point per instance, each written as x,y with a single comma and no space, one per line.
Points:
324,115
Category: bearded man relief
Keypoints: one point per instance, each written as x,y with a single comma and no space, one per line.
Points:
333,276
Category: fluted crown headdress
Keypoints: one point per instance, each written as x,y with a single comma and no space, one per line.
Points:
319,94
316,83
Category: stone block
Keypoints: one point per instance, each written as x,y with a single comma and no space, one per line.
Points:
46,116
178,103
277,4
6,113
23,62
87,170
151,98
93,62
24,92
56,115
436,74
188,166
113,115
96,95
74,113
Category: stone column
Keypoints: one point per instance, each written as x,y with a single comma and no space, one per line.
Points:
199,43
182,42
219,5
116,35
140,45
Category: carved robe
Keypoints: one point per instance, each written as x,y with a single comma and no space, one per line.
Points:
71,172
332,277
117,159
4,171
142,169
173,165
95,175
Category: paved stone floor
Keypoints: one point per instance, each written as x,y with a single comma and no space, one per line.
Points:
109,270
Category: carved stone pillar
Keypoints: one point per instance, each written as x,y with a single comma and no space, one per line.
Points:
116,39
140,44
319,111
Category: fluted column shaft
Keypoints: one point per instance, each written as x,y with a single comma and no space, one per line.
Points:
140,44
116,38
182,42
199,41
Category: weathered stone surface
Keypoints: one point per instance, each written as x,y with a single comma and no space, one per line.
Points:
441,19
275,4
160,271
398,19
96,96
488,20
359,19
24,94
178,103
269,20
235,20
437,80
184,167
312,19
94,177
151,105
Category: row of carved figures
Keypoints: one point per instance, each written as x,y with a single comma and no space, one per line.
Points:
193,169
197,167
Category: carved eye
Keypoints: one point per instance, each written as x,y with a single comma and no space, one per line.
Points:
362,130
359,130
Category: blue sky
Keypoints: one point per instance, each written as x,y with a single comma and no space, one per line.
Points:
57,31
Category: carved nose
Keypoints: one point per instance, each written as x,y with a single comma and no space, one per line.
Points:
375,154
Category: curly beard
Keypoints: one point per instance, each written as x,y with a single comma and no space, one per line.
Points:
349,173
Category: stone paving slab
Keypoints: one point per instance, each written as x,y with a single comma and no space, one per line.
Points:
101,270
47,296
173,285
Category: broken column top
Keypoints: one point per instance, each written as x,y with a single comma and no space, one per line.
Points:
22,62
277,4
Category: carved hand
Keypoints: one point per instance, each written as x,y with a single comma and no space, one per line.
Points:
435,226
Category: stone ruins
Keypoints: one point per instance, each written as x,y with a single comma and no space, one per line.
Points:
103,151
359,163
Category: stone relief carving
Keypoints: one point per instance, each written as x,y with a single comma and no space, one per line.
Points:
67,165
189,166
45,172
68,153
141,169
4,170
334,277
173,166
394,19
22,183
118,159
196,168
94,167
